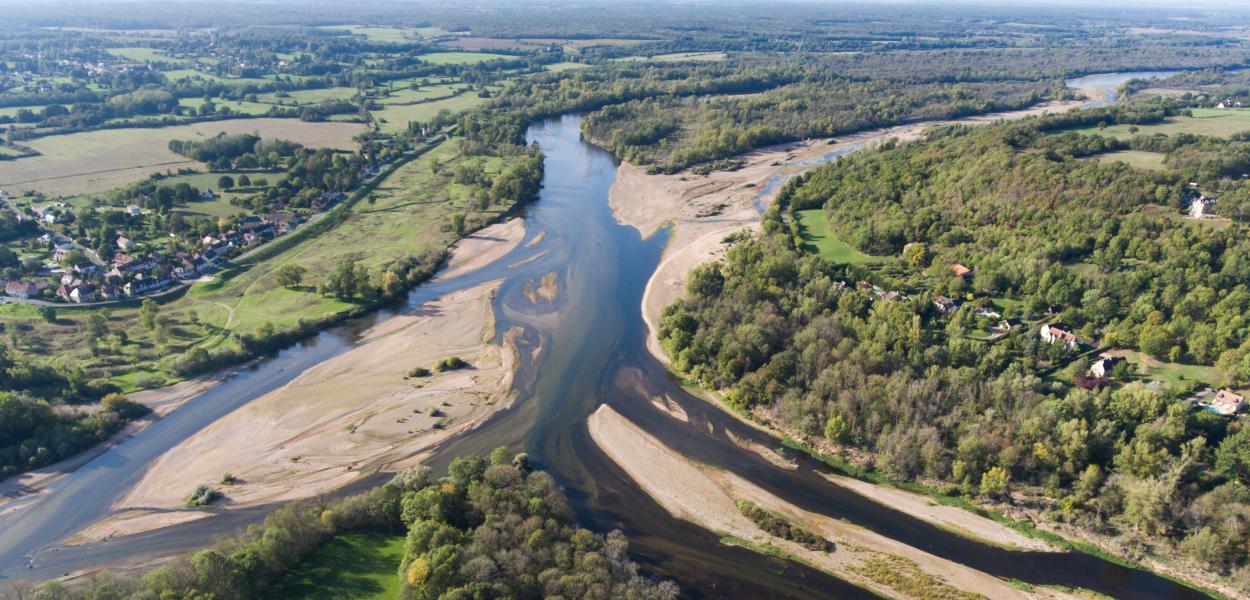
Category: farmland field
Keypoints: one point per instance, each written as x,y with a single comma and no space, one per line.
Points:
176,74
1205,121
425,94
11,111
565,66
309,96
393,35
238,106
96,161
489,43
461,58
678,57
396,117
358,566
145,55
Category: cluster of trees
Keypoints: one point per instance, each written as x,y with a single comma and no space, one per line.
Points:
34,433
502,530
790,336
238,151
484,531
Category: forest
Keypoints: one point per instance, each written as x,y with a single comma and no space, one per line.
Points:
873,356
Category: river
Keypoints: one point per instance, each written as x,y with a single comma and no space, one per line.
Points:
593,342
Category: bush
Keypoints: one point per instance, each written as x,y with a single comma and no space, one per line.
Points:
203,495
782,528
451,363
123,407
419,372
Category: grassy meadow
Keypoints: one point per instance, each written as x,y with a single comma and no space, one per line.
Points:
461,58
1205,121
356,566
394,118
814,230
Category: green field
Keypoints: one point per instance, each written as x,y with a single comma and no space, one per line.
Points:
461,58
11,111
238,106
177,74
678,57
565,66
1174,374
353,566
395,118
814,229
425,94
144,55
1205,121
392,35
309,96
1150,161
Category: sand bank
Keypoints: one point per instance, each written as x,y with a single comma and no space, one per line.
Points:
483,247
350,415
708,497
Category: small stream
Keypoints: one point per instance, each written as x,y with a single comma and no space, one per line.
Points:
592,341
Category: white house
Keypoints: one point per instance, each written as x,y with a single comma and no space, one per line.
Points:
1198,208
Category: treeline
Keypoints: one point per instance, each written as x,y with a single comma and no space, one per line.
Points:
673,134
1103,248
238,151
486,530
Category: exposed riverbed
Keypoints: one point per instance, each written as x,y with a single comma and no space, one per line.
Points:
583,345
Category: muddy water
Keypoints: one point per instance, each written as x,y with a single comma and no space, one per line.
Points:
591,350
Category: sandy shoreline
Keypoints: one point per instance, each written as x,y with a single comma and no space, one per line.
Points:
353,414
482,248
707,497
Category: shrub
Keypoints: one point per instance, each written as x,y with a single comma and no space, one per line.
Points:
203,495
419,372
451,363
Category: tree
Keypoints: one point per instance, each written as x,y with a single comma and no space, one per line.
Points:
837,429
225,182
290,275
1232,458
47,313
994,482
148,311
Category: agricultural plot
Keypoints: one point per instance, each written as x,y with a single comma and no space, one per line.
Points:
96,161
489,43
395,118
1205,121
1150,161
140,54
565,66
309,96
462,58
424,94
11,111
238,106
678,57
180,74
391,35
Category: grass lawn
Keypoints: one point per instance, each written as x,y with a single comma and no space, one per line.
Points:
1149,161
354,566
1173,374
395,118
11,111
461,58
98,161
145,55
814,230
1206,121
176,74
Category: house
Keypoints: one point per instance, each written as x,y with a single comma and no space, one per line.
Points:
945,305
82,294
207,195
960,270
21,289
142,285
1056,332
1226,402
61,250
284,222
1102,367
134,211
1005,326
1198,207
125,243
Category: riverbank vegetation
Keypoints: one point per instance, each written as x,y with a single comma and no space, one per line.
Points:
489,529
932,361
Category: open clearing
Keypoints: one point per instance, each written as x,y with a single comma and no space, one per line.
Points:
814,229
354,566
678,57
145,55
1150,161
97,161
487,43
1205,121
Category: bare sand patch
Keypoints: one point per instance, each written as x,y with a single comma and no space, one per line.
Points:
350,415
545,289
483,247
948,517
131,522
708,497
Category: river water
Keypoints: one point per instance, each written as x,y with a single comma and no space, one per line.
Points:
593,351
